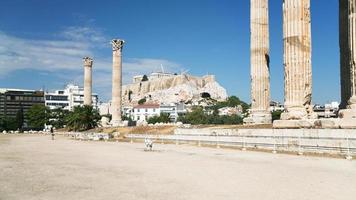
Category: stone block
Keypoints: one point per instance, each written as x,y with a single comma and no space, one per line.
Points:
293,124
348,113
329,123
348,123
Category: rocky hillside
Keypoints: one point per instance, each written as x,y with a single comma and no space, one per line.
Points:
177,88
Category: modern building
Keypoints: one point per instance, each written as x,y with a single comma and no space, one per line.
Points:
13,100
174,110
71,96
145,111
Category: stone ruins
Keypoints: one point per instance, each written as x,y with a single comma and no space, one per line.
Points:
297,69
297,66
260,87
171,88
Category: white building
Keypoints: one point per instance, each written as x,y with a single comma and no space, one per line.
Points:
71,96
145,111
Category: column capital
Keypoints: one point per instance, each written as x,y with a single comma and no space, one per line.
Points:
87,61
117,44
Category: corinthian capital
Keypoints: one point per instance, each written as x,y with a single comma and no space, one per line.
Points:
87,61
117,44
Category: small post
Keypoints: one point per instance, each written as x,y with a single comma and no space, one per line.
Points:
162,140
177,142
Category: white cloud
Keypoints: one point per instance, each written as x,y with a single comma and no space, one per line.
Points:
64,56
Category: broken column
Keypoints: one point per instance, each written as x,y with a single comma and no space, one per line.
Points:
117,45
348,62
88,64
260,85
297,65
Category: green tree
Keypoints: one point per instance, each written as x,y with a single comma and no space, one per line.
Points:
19,119
142,101
163,117
198,116
57,117
8,124
231,101
82,118
37,116
144,78
276,115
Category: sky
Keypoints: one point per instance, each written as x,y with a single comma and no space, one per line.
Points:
42,43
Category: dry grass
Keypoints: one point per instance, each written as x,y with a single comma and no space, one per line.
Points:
261,126
159,130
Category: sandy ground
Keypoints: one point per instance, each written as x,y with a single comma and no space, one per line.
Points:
35,167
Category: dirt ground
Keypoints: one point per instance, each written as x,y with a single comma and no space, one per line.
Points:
35,167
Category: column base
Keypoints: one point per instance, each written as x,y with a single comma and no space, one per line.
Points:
299,113
258,118
118,123
348,114
347,118
294,124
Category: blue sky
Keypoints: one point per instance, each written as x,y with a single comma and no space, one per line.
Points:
42,42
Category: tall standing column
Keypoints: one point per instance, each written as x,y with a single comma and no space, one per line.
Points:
260,86
348,67
344,53
88,64
117,45
297,60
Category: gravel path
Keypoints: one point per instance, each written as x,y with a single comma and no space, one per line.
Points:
35,167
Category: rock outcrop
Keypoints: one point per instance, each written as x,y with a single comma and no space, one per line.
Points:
173,89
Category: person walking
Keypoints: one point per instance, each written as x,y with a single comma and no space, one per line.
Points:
52,133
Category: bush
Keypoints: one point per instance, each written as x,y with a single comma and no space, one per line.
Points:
276,115
144,78
232,101
198,116
142,101
163,117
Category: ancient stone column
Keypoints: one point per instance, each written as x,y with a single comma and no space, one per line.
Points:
88,63
117,46
348,67
297,60
344,53
260,85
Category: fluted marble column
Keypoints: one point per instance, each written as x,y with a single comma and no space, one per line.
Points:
297,60
348,67
344,53
117,45
88,64
260,85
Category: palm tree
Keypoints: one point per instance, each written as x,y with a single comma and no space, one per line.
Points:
83,118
